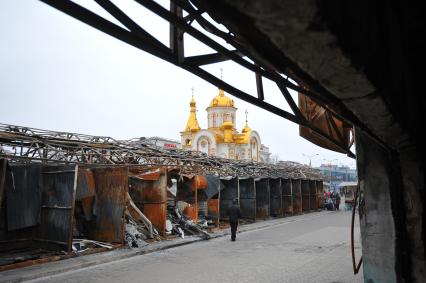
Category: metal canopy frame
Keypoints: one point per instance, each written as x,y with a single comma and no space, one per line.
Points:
29,145
138,37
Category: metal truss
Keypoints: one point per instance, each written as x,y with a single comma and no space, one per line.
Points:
25,145
138,37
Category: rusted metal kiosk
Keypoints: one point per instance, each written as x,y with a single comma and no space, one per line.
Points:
262,198
228,192
313,197
287,201
296,186
212,192
148,189
275,195
45,204
101,202
247,197
305,195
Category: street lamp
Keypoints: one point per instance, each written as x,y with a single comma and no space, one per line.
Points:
310,157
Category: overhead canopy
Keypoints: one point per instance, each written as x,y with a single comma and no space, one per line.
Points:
324,119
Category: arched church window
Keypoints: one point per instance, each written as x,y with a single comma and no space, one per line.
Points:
203,145
215,119
253,149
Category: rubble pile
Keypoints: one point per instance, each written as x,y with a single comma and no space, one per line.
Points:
180,224
133,237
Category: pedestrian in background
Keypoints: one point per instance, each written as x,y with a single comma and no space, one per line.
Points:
234,214
337,201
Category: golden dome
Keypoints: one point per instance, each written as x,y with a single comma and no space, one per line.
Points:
246,129
192,102
221,100
192,124
228,131
227,125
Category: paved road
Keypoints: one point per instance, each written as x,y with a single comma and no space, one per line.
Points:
315,248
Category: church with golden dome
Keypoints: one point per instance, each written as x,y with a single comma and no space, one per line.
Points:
221,138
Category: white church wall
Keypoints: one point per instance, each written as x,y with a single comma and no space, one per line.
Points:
222,150
204,141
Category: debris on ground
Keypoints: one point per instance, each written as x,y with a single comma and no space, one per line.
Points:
82,245
133,237
182,224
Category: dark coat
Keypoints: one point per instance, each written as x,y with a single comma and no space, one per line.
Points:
233,213
337,199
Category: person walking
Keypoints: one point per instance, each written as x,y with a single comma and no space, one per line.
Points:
234,214
337,201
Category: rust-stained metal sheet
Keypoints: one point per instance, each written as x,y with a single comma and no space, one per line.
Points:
313,198
296,190
305,195
327,122
276,207
200,182
152,175
262,198
47,194
228,192
213,186
23,196
111,189
247,198
213,209
286,193
212,194
187,191
3,174
57,206
150,196
86,184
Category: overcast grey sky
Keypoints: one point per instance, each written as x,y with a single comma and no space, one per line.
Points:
57,73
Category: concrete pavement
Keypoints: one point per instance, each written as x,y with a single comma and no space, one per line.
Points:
313,247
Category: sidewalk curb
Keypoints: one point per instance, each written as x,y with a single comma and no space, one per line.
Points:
67,265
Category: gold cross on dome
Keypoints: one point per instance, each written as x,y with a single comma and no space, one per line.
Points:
192,90
246,115
221,73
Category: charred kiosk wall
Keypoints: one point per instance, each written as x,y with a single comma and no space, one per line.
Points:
247,198
38,208
276,208
262,198
228,193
